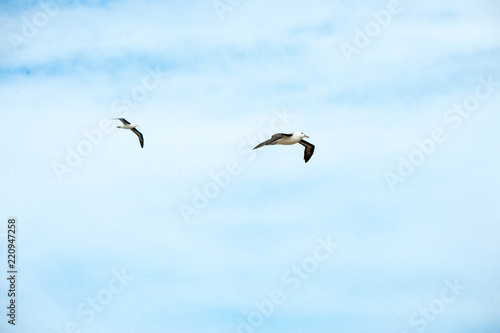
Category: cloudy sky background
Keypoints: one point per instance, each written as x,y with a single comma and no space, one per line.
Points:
223,81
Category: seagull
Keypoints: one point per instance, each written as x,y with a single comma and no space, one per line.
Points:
132,127
290,139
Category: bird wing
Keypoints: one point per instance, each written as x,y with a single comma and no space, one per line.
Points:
272,140
308,151
139,134
123,120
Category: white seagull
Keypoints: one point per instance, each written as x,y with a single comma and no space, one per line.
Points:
290,139
132,127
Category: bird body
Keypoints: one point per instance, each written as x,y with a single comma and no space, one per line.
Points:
128,126
290,139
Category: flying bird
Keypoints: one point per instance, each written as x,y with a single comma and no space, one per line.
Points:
132,127
290,139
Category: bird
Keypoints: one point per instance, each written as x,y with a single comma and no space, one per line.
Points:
290,139
132,127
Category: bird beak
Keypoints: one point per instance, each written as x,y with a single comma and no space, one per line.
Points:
305,136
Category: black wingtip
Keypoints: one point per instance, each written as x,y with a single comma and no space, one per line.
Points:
260,145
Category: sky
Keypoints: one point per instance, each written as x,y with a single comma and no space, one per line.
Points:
392,226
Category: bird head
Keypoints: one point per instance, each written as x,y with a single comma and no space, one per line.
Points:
303,135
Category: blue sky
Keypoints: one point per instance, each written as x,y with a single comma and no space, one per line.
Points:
205,87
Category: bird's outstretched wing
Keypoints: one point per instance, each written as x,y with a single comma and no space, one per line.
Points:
123,120
139,134
308,151
272,140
